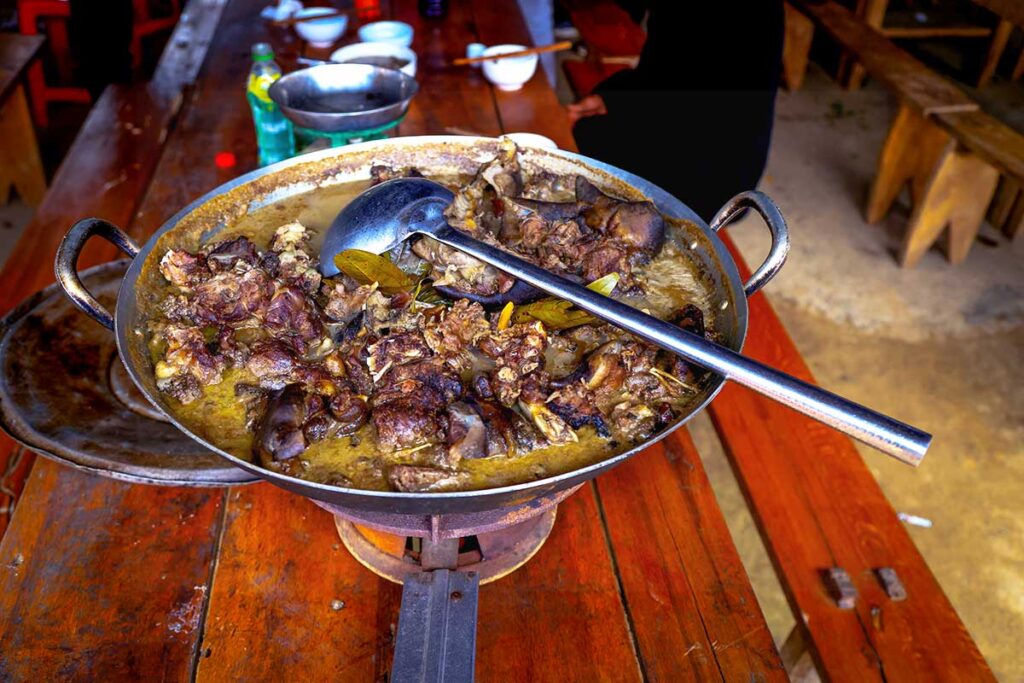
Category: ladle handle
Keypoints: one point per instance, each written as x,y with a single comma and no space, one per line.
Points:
890,436
65,265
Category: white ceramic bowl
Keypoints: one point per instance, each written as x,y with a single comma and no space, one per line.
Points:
509,74
394,32
531,140
322,32
357,50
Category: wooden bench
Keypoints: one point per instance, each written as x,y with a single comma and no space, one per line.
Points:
949,151
20,164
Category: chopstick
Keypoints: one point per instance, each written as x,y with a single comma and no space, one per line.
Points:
291,21
556,47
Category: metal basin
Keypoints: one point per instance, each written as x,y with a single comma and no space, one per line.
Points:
339,98
211,214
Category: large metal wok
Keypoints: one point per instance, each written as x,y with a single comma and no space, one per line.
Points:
204,218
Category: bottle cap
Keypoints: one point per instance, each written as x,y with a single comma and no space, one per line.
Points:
262,52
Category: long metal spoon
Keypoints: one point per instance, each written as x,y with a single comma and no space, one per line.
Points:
385,215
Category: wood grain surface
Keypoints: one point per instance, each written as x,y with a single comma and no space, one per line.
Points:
818,506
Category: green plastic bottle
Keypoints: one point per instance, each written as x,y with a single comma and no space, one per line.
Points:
274,134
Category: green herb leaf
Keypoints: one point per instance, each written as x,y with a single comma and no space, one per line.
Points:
367,268
558,314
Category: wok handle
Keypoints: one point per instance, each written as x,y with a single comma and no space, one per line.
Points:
758,201
65,265
888,435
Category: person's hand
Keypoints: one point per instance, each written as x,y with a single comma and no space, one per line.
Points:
591,105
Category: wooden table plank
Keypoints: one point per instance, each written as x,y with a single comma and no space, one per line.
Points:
450,97
692,606
102,580
534,108
280,569
559,617
818,506
104,174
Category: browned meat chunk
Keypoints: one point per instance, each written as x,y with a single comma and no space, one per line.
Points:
273,363
349,410
280,435
415,377
227,255
394,350
344,304
405,423
187,356
517,351
410,478
231,298
291,314
183,269
467,435
460,326
577,406
633,420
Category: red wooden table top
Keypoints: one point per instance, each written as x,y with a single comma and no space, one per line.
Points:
103,580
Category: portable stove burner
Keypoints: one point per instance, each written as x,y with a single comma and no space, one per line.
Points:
492,543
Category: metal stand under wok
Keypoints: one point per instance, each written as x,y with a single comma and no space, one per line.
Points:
441,560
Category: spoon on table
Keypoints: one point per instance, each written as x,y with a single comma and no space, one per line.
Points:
386,215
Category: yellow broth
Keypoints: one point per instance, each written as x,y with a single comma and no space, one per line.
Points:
671,280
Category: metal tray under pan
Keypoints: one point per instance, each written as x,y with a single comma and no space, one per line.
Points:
65,395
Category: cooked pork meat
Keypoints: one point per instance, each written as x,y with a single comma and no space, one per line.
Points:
438,374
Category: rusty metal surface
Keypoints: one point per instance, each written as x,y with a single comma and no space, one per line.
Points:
64,394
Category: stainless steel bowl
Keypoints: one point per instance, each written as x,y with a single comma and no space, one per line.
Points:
338,98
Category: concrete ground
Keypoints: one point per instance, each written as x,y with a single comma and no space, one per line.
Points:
939,346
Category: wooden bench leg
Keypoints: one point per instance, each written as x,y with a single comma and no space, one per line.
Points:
910,152
995,50
20,164
957,195
1018,70
1007,210
796,48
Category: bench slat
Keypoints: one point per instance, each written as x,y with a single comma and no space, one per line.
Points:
909,78
817,505
989,138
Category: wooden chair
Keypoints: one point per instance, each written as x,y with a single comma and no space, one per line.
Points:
55,14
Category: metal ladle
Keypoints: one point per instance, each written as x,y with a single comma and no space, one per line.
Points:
384,216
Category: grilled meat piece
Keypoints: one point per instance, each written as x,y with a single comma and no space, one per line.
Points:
290,237
344,304
413,479
187,356
183,269
413,378
290,315
349,410
394,350
633,420
407,422
280,434
239,252
231,298
459,327
577,406
467,435
517,351
273,363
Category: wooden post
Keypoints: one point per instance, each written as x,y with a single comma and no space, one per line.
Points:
1007,210
911,149
796,48
956,195
995,51
20,165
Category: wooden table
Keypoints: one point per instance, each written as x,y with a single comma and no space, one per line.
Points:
640,580
20,164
